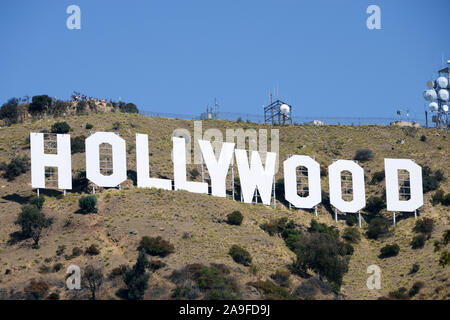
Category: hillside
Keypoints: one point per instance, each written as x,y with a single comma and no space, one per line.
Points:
194,223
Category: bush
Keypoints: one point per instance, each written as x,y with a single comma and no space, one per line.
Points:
40,104
423,138
424,225
444,259
213,281
156,246
194,173
323,228
323,253
136,278
60,127
377,177
118,271
92,250
377,227
32,221
270,290
36,289
375,205
418,241
38,202
89,126
15,168
363,155
399,294
128,108
440,197
77,251
240,255
156,265
414,268
87,204
415,288
389,250
352,235
53,296
351,220
235,218
77,144
281,277
431,179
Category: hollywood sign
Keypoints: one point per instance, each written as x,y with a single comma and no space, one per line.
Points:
252,175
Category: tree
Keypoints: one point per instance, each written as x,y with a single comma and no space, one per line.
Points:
377,227
94,279
363,155
9,110
136,278
375,205
235,218
32,221
40,103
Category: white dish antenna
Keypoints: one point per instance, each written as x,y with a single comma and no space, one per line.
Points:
284,108
430,84
430,95
443,94
442,82
433,106
445,108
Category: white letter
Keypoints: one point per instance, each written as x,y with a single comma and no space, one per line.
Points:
142,167
74,280
255,176
62,160
374,21
179,169
119,160
391,167
374,281
217,169
73,21
358,187
290,182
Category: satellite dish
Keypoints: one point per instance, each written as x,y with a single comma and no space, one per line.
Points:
442,82
443,94
284,108
430,84
445,108
430,95
433,106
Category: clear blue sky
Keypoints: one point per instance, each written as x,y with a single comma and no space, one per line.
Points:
176,56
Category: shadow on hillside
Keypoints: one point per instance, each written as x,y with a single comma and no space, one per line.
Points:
16,237
15,197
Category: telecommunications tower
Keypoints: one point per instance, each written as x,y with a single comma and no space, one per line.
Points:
438,97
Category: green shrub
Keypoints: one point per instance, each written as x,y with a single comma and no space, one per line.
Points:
240,255
57,267
350,220
60,249
444,259
378,226
156,246
36,289
414,268
128,108
235,218
118,271
377,177
389,250
323,228
375,205
213,281
136,278
60,127
38,202
92,250
76,251
270,290
281,277
53,296
32,221
10,111
88,204
156,265
415,288
424,225
363,155
423,138
352,235
399,294
89,126
431,179
418,241
15,168
194,173
77,144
